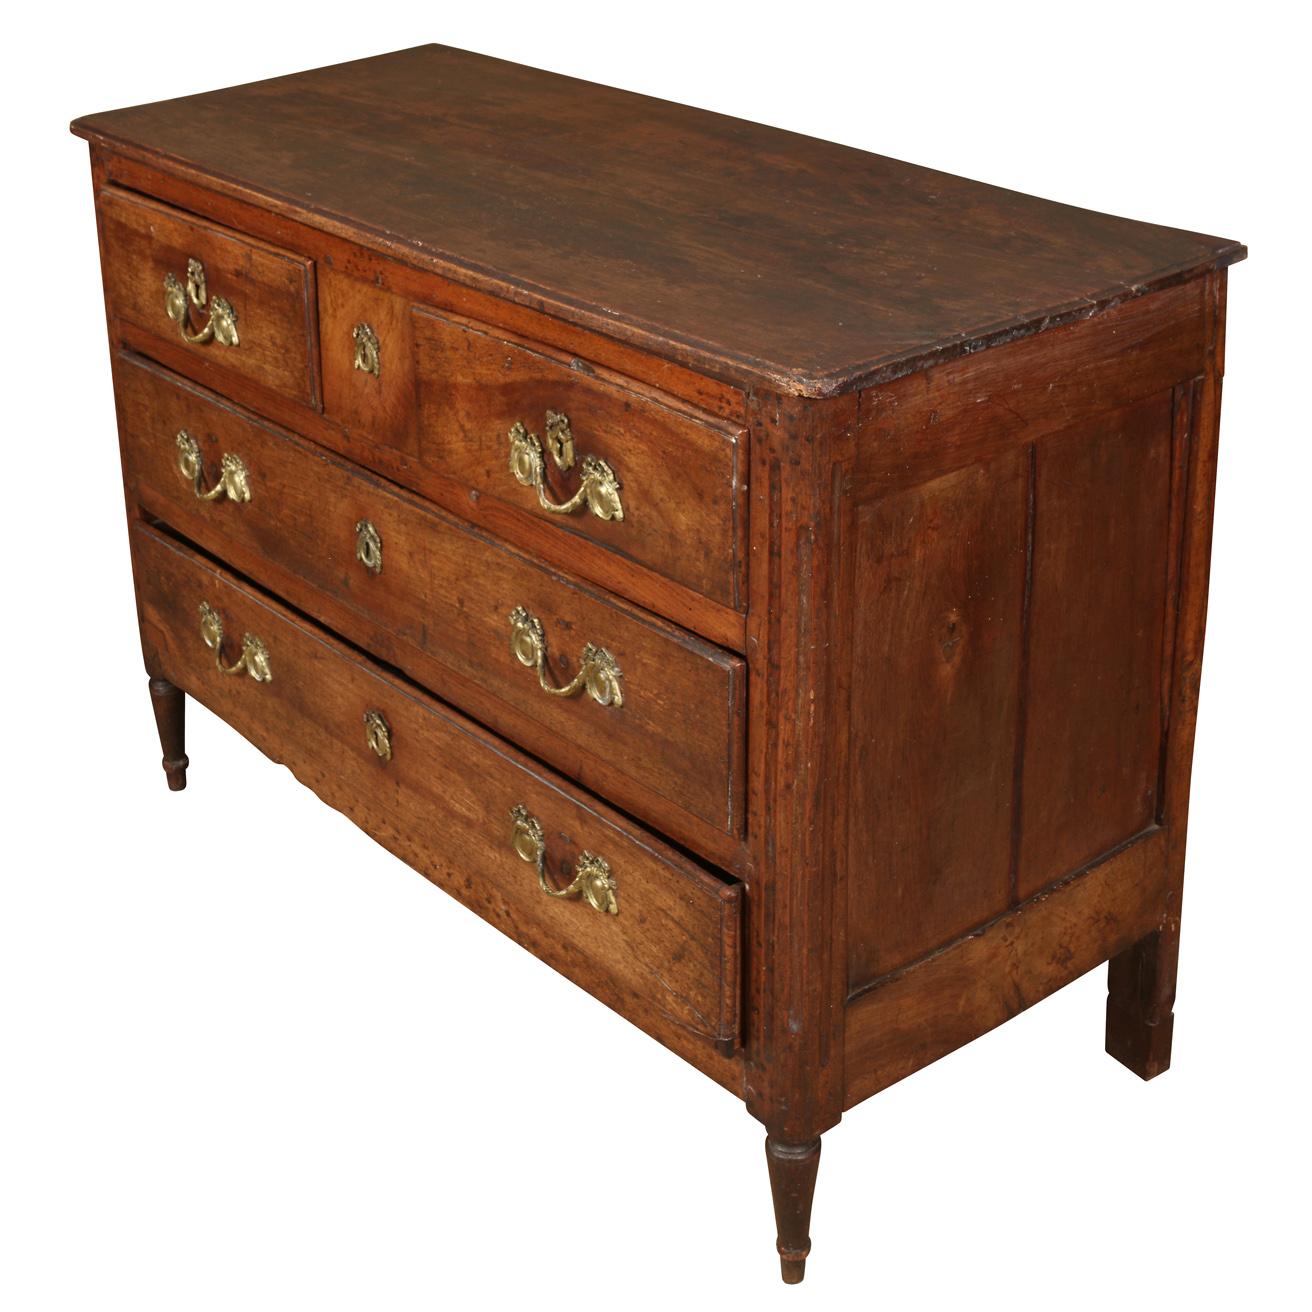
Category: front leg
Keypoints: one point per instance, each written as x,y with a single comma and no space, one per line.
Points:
793,1169
170,704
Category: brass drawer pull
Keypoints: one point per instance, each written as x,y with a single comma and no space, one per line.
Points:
592,878
600,489
598,671
234,483
378,734
369,547
254,658
178,300
366,348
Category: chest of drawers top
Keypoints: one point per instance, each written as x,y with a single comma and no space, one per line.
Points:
753,255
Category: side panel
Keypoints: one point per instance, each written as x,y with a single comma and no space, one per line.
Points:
1013,587
940,584
1093,725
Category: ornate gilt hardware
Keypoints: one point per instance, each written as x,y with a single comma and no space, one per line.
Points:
366,348
598,671
369,547
592,878
233,483
178,300
254,658
599,488
378,735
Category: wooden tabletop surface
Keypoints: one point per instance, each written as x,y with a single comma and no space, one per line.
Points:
756,255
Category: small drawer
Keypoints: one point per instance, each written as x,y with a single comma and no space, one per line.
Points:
549,438
638,710
365,341
214,302
640,927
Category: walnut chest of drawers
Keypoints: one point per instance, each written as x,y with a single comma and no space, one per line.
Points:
770,577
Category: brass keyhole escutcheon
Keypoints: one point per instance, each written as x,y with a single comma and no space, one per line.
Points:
367,354
378,735
369,547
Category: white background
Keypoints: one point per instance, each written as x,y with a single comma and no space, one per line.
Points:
250,1061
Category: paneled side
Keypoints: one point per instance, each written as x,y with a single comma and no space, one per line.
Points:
1093,716
940,589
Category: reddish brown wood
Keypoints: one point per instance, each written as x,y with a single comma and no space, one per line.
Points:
939,625
270,290
969,411
681,481
1094,713
424,286
793,1168
785,262
440,607
970,591
1140,998
668,961
917,1015
372,409
170,706
799,614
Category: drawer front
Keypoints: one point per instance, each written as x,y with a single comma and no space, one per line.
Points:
437,601
213,298
588,457
637,925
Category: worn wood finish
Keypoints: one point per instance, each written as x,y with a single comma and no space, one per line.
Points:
793,1170
170,706
939,635
189,190
919,1014
270,290
1093,725
921,469
439,607
541,189
372,409
681,481
668,960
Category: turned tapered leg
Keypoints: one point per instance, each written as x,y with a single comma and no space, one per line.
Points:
170,705
792,1182
1140,1002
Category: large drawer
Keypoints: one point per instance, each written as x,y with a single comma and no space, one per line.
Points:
204,298
656,723
639,926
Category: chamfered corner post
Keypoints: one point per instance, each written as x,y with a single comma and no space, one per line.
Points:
1141,1000
799,583
170,705
793,1168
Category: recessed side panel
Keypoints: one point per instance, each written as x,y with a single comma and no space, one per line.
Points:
1093,713
939,613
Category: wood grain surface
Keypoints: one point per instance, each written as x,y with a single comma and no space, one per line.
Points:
668,960
748,252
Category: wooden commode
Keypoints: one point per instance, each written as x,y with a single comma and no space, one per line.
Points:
764,579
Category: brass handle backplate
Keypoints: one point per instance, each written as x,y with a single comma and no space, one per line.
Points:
254,658
599,489
369,547
233,482
366,349
598,672
378,734
592,878
178,302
